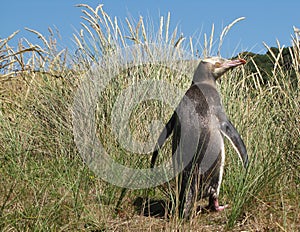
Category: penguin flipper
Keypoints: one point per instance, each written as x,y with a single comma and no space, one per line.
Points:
167,131
229,131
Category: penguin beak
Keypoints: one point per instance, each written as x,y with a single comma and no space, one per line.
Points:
233,63
223,67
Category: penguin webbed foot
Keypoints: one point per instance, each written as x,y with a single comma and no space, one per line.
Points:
219,208
214,205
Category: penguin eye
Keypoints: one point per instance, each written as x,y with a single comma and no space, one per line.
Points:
217,65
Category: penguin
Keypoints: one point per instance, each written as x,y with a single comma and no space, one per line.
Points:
199,125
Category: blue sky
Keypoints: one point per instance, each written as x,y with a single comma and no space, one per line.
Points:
265,21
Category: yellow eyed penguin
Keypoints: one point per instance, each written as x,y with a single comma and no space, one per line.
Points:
200,123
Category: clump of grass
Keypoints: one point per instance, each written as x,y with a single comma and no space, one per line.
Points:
45,184
268,119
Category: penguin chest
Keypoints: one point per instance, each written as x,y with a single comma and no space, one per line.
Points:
211,159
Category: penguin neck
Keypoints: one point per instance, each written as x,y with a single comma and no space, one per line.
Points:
203,75
204,79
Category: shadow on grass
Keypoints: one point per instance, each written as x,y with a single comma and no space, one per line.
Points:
153,207
159,208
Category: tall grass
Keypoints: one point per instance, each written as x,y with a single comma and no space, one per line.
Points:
45,184
268,115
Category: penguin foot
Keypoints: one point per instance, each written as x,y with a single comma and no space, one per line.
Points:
211,208
214,206
220,208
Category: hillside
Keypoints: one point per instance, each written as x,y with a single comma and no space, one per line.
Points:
263,64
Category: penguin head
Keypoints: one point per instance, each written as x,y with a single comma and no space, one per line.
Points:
217,66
